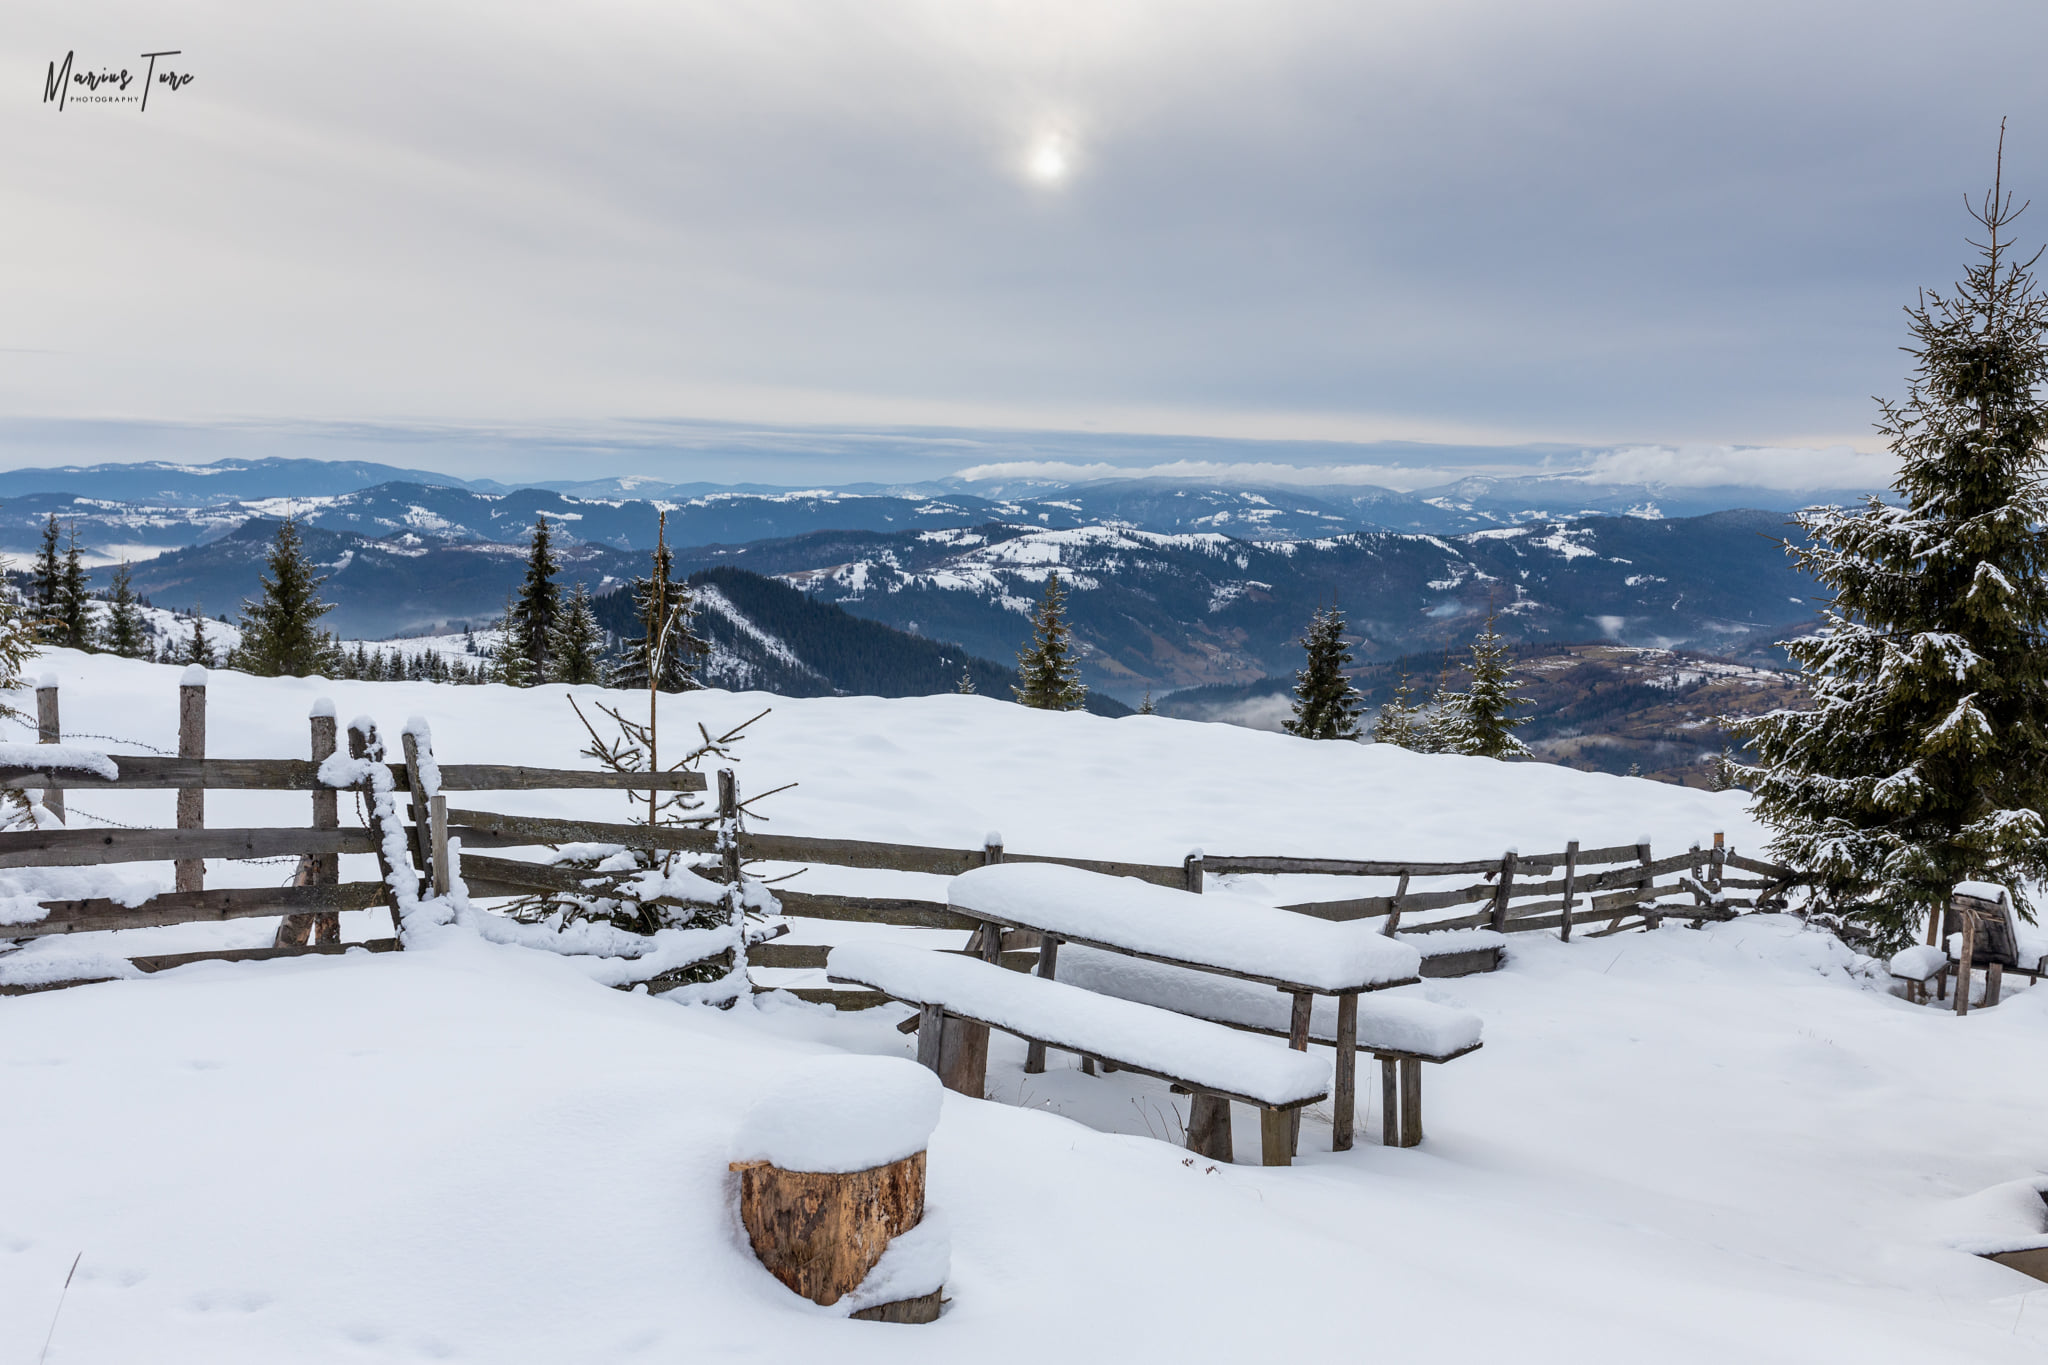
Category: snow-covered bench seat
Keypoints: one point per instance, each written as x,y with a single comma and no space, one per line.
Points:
1202,1057
1456,952
1918,966
1400,1031
1227,934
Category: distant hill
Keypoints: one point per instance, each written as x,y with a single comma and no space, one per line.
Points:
766,635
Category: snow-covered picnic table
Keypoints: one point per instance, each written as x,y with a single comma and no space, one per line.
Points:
1223,934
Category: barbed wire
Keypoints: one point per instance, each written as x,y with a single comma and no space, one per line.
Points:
73,808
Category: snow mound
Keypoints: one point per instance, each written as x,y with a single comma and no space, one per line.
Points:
58,756
838,1114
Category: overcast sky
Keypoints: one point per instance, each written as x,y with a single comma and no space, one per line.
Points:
479,236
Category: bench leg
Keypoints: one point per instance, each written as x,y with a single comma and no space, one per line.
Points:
1390,1105
1411,1102
1209,1127
1087,1065
963,1057
1048,960
931,1029
1994,977
1276,1136
1347,1073
1297,1038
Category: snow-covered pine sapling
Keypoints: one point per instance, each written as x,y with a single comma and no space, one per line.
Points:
1398,720
1923,759
18,630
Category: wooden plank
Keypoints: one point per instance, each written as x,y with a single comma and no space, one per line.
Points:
826,995
1390,1103
527,877
418,837
192,907
163,962
89,847
1349,867
290,774
1415,901
870,909
812,956
1505,890
1758,866
524,831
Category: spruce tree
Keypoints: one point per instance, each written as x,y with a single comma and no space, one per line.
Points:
540,601
966,687
198,649
46,585
576,651
1145,707
1486,727
1326,705
127,633
1923,761
664,608
1052,680
1398,720
512,660
75,614
281,636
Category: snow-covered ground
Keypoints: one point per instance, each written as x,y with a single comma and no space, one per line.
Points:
1730,1143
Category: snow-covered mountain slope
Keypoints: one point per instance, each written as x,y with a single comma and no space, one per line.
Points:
1683,1147
1162,611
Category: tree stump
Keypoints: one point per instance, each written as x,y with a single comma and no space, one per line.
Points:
821,1233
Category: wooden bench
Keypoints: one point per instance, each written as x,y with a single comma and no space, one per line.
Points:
960,998
1400,1032
1222,934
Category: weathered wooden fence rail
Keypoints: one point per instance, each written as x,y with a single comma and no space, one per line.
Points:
1617,886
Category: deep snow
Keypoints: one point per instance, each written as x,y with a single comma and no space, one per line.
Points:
1693,1145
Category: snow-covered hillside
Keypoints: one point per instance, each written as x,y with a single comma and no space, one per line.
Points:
1724,1144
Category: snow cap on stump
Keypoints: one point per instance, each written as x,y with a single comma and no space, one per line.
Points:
840,1114
194,676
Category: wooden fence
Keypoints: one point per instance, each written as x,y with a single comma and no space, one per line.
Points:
311,907
1598,891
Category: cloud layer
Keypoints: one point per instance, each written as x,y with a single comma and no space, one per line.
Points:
1594,222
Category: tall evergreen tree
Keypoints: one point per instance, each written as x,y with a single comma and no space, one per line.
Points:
576,652
1486,726
1923,761
127,634
540,601
1326,705
46,585
1052,680
281,635
664,609
75,614
1397,723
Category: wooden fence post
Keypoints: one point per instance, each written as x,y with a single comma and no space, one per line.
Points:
363,743
421,842
1651,919
1969,919
439,816
1720,861
1504,890
320,869
49,730
1571,874
1346,1096
1191,874
191,872
1394,905
728,812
